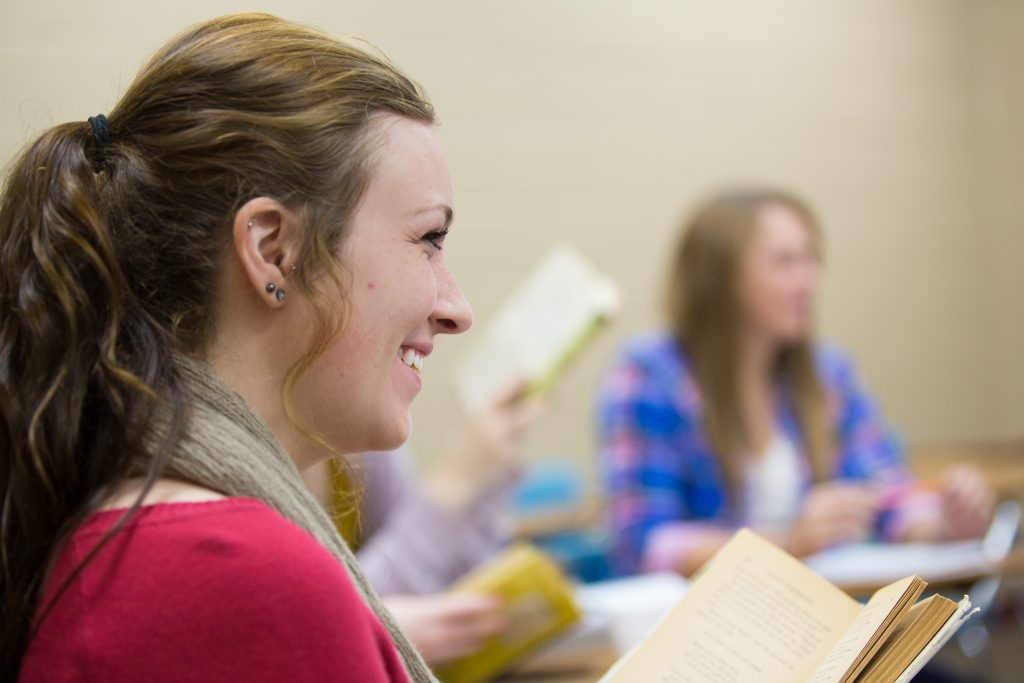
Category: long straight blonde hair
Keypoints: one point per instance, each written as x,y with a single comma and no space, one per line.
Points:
705,315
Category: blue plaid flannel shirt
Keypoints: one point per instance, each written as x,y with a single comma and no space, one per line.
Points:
659,469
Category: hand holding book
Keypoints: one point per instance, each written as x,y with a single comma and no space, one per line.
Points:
485,451
755,614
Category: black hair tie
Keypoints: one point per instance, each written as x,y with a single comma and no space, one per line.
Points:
101,136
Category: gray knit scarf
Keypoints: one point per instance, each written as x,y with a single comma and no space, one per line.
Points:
227,448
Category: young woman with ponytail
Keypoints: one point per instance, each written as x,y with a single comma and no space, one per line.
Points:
202,293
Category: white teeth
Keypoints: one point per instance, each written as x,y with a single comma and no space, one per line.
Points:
413,359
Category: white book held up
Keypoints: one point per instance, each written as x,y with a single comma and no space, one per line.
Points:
543,322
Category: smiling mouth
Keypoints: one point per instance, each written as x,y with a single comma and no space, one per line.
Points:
412,358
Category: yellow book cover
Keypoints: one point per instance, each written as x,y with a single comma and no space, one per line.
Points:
538,604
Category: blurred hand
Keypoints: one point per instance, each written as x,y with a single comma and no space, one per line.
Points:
834,513
485,451
967,502
447,626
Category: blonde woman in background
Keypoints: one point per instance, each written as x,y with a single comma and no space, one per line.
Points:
735,415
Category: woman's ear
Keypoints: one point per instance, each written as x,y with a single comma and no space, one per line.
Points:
266,238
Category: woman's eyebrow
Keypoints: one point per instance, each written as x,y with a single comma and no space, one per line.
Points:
449,213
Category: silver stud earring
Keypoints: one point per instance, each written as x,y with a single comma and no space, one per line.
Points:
276,291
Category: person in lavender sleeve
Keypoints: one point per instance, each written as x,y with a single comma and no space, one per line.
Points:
735,416
413,537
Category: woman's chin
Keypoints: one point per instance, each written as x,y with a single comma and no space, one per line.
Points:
793,333
391,436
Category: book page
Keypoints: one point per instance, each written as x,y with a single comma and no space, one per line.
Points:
911,636
963,613
756,614
876,620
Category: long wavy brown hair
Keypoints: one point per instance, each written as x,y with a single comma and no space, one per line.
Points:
705,315
109,258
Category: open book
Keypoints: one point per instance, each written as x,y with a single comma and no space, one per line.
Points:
756,615
550,316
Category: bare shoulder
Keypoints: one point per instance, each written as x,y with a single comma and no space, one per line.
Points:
163,491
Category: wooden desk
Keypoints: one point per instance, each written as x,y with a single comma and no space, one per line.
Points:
589,670
1002,462
591,676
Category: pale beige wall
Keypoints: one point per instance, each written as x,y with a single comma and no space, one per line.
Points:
998,83
602,122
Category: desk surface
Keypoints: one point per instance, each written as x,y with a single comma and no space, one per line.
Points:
1002,462
577,677
583,672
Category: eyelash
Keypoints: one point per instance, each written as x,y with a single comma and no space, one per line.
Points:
436,238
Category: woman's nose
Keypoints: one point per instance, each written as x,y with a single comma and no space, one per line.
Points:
453,314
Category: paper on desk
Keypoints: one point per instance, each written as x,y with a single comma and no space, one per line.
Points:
616,615
883,563
633,606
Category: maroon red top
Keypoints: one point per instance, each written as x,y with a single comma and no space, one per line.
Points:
226,590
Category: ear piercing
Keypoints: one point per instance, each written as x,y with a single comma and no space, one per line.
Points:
276,291
280,259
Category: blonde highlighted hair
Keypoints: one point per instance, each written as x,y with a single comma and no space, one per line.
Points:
705,315
109,258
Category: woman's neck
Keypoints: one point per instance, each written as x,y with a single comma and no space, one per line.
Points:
128,491
259,384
